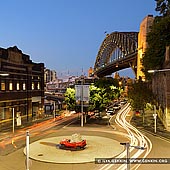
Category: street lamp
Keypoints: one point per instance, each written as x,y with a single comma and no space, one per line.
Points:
154,116
127,145
54,111
27,150
13,120
155,71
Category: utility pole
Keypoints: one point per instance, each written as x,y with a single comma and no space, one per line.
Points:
82,97
82,103
127,145
128,155
27,150
154,115
13,120
54,111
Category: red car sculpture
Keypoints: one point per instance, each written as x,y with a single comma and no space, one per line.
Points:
71,145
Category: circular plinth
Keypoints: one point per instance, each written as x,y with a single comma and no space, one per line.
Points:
97,147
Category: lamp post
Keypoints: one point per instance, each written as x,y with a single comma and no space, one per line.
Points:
155,115
82,103
54,111
27,150
13,120
127,145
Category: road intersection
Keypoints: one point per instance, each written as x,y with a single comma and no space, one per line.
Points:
120,131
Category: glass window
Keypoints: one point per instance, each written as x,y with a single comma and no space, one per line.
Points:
32,85
17,86
24,86
38,86
2,85
2,113
10,86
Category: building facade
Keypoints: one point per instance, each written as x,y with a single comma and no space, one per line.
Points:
22,89
50,75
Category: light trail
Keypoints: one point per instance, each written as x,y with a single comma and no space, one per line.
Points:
34,130
135,137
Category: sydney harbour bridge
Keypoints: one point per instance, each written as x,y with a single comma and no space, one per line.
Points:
120,50
117,51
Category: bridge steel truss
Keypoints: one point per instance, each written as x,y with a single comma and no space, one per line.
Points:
117,51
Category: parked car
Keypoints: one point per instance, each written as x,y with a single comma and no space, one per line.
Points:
110,111
116,106
137,113
123,102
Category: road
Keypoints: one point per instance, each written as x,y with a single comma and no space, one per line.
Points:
135,138
121,130
9,142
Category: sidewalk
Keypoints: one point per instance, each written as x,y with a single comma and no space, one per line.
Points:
149,125
9,127
137,121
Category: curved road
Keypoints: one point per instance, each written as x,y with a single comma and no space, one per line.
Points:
136,138
124,130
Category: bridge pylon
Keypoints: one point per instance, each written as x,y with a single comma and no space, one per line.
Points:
142,43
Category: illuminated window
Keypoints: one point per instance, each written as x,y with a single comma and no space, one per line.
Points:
17,86
32,85
10,86
24,86
2,86
38,86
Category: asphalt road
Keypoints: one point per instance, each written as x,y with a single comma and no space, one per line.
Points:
16,158
12,157
160,149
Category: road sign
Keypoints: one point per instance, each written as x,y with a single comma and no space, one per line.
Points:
82,93
154,115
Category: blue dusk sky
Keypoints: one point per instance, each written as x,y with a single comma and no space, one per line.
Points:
66,35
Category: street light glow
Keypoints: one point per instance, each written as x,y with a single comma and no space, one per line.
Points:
4,74
151,71
154,71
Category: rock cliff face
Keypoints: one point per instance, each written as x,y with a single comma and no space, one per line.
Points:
167,57
161,89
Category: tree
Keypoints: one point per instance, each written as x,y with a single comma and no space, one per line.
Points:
115,92
103,92
106,82
158,38
70,98
139,95
163,6
98,98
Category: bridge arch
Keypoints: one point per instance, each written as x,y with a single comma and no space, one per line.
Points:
117,51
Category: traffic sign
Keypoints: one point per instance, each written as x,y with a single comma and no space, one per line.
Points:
82,93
